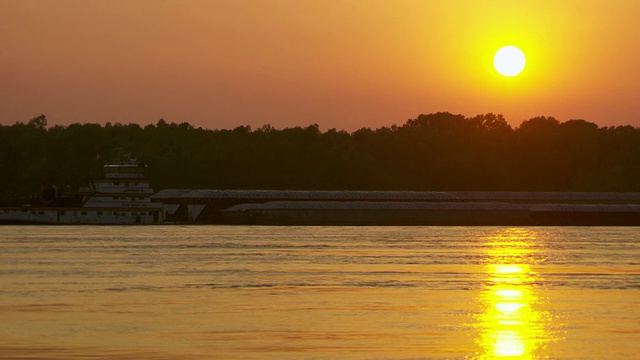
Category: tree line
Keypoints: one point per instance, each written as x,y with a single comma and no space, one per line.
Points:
439,151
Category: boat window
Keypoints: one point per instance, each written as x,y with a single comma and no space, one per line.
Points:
115,198
99,213
40,212
116,183
126,184
83,213
140,197
115,213
61,212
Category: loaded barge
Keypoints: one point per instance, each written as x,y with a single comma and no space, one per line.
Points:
123,195
309,207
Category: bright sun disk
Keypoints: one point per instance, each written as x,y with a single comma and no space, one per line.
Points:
509,61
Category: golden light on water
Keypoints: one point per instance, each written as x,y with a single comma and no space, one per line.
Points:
510,323
510,326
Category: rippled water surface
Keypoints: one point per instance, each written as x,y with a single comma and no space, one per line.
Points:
222,292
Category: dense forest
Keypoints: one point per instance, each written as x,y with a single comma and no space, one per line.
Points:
439,151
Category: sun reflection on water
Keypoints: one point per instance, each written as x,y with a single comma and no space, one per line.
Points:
510,326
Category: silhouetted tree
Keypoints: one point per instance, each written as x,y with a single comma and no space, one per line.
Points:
440,151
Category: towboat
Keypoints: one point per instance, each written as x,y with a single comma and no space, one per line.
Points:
121,195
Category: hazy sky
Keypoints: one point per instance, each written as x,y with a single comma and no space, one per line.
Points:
338,63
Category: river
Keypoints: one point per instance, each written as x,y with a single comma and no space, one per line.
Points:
254,292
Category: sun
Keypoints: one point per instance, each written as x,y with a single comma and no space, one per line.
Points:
509,61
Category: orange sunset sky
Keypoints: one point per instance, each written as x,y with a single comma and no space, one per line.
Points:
338,63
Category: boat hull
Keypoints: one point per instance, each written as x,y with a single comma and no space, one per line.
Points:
79,216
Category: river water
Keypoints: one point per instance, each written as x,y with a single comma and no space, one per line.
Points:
241,292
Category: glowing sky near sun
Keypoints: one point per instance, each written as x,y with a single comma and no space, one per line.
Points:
342,63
